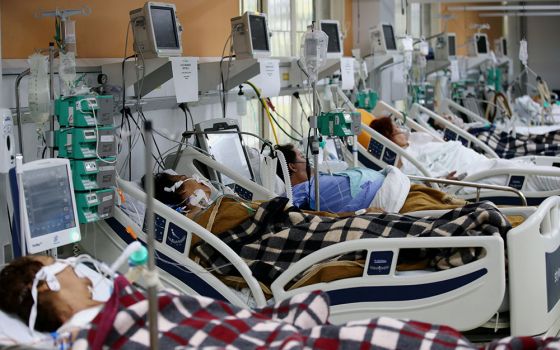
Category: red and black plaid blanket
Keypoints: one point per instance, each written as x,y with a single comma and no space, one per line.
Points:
187,322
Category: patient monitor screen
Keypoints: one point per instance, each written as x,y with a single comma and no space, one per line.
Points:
49,200
389,37
331,29
481,44
228,150
165,29
259,34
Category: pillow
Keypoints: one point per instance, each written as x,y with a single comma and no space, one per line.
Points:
367,118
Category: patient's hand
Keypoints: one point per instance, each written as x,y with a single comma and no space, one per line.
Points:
452,175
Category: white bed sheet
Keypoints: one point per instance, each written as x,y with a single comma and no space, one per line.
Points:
440,158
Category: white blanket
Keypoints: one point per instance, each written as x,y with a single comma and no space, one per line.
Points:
392,194
441,158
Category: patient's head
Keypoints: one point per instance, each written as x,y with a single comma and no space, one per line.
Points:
297,165
176,189
53,307
386,127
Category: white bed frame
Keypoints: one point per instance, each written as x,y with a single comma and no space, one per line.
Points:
385,146
448,105
446,297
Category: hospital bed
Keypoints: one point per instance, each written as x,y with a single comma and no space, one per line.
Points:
381,152
427,295
455,133
450,106
430,296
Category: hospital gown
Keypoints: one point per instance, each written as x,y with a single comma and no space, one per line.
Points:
441,158
345,191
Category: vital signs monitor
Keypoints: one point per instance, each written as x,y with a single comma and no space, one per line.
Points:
50,218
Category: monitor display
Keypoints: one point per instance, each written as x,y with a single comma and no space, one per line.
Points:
504,46
451,45
259,33
481,44
49,200
389,37
331,29
228,150
165,29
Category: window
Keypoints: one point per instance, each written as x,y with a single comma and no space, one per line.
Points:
287,22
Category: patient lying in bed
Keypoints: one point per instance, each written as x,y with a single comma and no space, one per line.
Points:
452,158
196,322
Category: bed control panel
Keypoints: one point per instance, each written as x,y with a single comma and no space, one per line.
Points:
375,148
176,237
380,262
243,192
516,181
552,278
159,227
389,157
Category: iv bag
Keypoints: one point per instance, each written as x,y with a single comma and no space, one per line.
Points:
39,93
314,52
67,70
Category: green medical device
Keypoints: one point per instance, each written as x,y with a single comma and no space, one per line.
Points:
93,174
84,111
95,205
339,123
82,143
366,100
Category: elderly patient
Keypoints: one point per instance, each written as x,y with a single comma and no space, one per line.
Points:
451,158
194,321
345,191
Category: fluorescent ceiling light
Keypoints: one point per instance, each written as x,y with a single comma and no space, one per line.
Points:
505,7
519,14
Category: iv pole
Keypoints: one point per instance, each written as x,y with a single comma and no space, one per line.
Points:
151,274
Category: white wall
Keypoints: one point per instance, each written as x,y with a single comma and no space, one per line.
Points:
544,48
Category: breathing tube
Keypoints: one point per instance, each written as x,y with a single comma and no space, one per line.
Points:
286,175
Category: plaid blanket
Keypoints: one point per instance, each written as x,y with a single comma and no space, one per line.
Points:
275,237
510,145
192,322
188,322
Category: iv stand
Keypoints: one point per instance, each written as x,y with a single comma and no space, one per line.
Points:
315,144
151,275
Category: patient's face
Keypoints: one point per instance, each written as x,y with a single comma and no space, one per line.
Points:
400,136
74,295
189,186
299,165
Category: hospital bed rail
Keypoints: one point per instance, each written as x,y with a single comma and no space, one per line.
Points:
466,138
425,295
478,186
186,166
512,177
511,174
534,268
